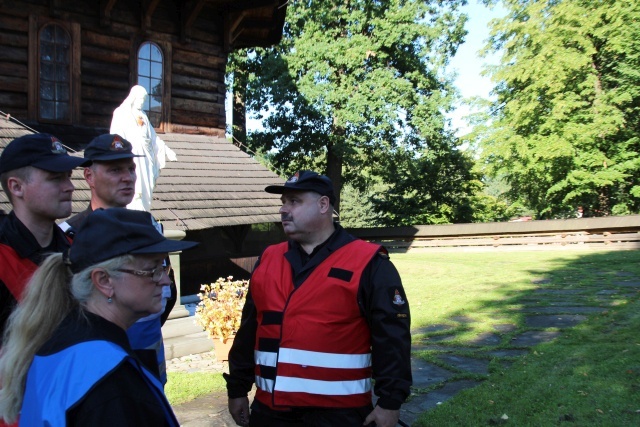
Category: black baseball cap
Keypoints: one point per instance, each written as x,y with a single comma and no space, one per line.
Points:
108,147
110,233
40,150
306,181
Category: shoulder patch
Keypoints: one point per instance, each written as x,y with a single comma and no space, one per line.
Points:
397,298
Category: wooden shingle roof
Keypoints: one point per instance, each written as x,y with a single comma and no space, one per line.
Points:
212,184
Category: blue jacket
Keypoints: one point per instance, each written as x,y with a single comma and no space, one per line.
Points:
69,377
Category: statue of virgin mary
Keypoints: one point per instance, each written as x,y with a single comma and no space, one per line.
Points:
131,122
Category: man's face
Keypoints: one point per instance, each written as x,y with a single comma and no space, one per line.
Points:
300,214
47,194
112,183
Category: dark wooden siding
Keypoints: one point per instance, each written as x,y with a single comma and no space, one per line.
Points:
194,76
14,41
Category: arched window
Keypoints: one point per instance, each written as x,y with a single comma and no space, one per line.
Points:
54,75
150,66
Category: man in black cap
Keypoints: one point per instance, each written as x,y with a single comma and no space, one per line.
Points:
111,177
35,173
325,313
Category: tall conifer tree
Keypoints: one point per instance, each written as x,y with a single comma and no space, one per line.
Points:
566,122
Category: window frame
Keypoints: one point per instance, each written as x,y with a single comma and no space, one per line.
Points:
36,24
165,50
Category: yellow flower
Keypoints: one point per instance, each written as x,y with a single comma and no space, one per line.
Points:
220,308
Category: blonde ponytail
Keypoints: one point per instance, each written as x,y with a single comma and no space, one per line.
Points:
46,301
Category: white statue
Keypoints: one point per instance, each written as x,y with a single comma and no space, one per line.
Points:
131,122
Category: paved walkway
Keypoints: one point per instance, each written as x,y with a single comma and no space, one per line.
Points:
547,311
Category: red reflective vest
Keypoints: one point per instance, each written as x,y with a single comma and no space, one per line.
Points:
313,345
15,271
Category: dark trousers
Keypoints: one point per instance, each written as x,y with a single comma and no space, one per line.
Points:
263,416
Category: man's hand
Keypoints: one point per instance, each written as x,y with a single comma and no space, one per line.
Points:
383,417
239,410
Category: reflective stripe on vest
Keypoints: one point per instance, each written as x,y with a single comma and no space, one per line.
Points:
315,359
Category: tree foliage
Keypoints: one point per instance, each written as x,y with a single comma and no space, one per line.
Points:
433,187
565,127
355,84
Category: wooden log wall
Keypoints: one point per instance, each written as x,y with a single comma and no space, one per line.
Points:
194,75
14,41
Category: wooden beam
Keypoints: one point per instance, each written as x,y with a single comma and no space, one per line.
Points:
148,7
190,11
238,5
231,24
53,8
105,11
32,67
236,21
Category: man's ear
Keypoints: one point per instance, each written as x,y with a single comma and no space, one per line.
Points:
88,176
15,186
325,204
102,282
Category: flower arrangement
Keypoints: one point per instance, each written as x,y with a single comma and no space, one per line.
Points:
220,307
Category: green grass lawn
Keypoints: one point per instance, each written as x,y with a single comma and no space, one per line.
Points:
589,376
185,386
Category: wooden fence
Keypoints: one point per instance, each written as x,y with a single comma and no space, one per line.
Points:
609,233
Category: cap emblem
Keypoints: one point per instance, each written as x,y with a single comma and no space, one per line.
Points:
56,146
117,144
295,177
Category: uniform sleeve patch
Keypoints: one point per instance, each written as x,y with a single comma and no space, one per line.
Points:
397,298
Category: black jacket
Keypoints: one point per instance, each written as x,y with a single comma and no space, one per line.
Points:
16,235
389,323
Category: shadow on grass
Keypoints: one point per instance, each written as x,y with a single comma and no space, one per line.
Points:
555,295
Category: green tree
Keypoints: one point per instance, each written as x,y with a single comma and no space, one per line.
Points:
357,209
435,186
564,129
352,83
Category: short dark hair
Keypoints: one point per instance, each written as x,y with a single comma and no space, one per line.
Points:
23,173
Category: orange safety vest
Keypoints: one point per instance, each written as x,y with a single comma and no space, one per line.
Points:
313,345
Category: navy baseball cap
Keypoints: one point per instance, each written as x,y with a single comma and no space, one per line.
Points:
110,233
40,150
306,181
108,147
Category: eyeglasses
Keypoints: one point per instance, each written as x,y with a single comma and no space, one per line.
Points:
156,274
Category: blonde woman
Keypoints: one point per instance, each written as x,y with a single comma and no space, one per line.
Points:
66,359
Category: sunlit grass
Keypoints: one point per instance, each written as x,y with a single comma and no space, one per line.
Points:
589,376
185,386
